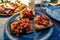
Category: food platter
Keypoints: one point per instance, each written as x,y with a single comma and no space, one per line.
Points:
41,35
8,9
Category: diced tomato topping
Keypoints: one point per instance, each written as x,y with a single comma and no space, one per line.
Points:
36,22
14,25
18,28
43,16
39,19
23,20
27,25
22,25
45,23
31,11
28,13
28,29
42,20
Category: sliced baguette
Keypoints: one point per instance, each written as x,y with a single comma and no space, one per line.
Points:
13,30
39,27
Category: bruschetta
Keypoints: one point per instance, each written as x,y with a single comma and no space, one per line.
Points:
27,14
42,22
22,26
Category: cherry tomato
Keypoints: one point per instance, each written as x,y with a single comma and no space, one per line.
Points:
27,25
29,14
37,22
39,19
43,20
23,20
43,16
23,24
28,29
31,11
26,13
45,23
14,26
40,22
18,28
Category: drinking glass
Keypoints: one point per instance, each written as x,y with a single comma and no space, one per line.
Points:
44,3
31,4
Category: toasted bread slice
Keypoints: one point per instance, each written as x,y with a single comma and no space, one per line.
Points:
29,15
14,30
39,27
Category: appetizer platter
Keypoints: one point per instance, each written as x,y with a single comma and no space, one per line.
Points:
29,25
8,9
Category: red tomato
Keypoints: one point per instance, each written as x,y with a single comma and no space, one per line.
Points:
23,24
36,22
44,17
40,22
39,19
43,20
14,25
29,14
27,25
28,29
31,11
18,28
23,20
45,23
26,13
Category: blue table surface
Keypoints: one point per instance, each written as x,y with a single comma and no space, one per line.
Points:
56,32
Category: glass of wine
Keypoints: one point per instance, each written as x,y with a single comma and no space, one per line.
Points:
44,3
31,4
